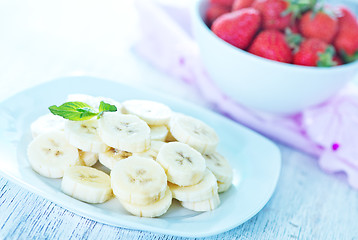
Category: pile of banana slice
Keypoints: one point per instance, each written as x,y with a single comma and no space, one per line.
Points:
152,153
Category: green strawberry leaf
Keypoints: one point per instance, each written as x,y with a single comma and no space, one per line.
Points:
349,58
294,40
326,58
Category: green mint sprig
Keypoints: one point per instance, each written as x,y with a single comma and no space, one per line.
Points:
79,111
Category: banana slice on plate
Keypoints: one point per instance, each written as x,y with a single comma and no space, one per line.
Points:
87,184
47,123
184,165
111,156
204,190
93,101
154,113
138,180
152,153
50,154
87,158
158,133
221,168
194,132
154,209
224,186
84,135
125,132
203,206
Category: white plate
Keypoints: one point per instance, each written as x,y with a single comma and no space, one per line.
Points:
256,161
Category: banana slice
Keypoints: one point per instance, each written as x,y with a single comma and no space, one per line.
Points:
204,190
138,180
184,165
153,113
194,133
219,166
154,209
124,132
50,153
158,133
111,156
84,135
47,123
87,158
203,206
87,184
152,153
224,186
90,100
93,101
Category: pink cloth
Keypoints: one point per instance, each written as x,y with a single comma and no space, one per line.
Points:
328,131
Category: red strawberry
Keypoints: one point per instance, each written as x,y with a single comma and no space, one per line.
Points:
239,4
227,3
346,41
214,11
338,60
238,28
314,52
273,16
318,25
271,44
294,27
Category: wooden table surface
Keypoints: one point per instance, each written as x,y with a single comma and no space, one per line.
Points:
42,40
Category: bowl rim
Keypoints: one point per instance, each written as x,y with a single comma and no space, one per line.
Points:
196,16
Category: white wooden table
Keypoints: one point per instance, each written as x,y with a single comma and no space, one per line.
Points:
41,40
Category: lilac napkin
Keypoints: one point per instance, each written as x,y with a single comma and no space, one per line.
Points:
328,131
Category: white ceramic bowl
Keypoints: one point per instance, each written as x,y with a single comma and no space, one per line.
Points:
264,84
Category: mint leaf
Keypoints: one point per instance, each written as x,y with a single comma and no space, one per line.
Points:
79,111
75,111
105,107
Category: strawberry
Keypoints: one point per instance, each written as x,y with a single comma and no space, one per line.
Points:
314,52
214,11
338,60
238,28
319,25
272,11
346,41
271,44
227,3
239,4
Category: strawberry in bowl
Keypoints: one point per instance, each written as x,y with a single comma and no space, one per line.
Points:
272,55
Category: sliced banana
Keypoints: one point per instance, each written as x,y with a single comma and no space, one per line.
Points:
224,186
50,154
154,209
184,165
93,101
84,135
203,190
152,153
194,133
219,166
158,133
154,113
138,180
88,99
47,123
203,206
87,158
87,184
111,156
124,132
